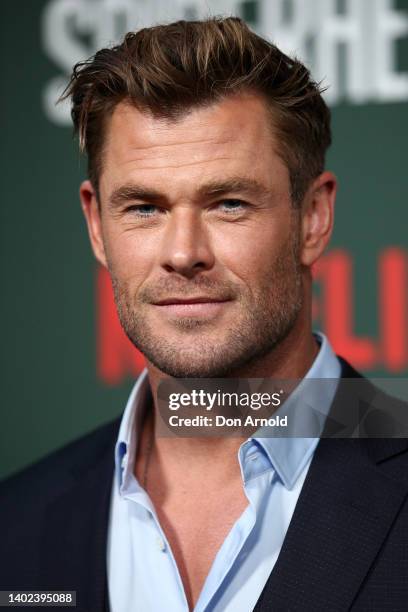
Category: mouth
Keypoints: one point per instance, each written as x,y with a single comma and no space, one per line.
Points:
201,306
192,300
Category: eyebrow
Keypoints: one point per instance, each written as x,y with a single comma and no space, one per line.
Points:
131,191
243,185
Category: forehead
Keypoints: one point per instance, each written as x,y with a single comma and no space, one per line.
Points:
234,136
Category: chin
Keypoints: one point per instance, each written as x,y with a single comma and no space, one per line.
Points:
190,368
203,362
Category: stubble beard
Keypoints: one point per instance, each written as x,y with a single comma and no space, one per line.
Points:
268,316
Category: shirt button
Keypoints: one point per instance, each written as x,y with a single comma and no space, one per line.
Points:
161,543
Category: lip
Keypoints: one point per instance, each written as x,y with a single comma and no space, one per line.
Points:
194,300
202,307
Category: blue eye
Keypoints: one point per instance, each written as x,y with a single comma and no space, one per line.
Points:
144,210
231,206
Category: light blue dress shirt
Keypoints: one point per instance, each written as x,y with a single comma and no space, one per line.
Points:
142,572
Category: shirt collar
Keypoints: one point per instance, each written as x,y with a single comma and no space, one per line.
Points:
126,446
288,455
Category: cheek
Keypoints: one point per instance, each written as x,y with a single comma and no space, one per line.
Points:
251,255
130,257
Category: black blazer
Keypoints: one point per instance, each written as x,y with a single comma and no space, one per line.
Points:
346,547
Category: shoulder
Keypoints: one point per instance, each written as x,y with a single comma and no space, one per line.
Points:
47,509
366,416
40,482
355,383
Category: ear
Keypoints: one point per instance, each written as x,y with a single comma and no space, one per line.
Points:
317,217
92,214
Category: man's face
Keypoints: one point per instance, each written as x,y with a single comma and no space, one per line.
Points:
200,236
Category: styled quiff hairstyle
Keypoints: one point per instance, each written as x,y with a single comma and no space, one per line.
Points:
169,69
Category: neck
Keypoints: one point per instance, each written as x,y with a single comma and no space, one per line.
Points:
290,360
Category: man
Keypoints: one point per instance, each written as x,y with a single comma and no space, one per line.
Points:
208,202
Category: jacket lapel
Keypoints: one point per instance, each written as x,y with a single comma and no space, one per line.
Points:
343,515
73,556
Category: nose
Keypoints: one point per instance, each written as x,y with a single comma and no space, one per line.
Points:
186,247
